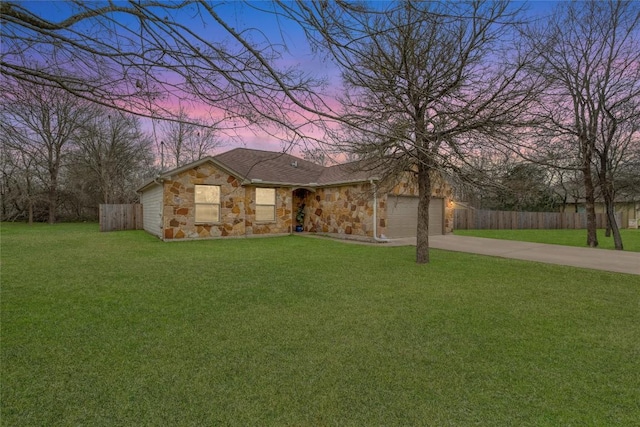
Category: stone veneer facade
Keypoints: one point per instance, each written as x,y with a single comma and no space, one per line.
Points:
348,210
237,207
344,210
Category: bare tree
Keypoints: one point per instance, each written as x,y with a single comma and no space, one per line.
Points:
39,122
188,139
424,83
614,152
20,193
627,178
142,56
588,53
109,149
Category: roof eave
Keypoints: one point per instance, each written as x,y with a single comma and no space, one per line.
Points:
260,183
349,182
151,183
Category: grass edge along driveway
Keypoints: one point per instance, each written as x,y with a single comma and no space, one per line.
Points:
578,238
121,329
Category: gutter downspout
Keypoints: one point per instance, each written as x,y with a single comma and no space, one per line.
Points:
375,214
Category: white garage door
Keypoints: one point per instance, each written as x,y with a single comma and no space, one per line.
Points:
402,216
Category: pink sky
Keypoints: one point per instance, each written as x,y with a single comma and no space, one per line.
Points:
264,26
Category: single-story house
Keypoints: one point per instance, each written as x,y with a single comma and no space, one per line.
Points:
245,192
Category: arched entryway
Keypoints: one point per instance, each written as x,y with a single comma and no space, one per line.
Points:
300,202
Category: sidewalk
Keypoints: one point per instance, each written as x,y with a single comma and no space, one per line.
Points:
598,259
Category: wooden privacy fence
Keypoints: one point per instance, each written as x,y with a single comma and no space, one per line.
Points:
465,219
120,217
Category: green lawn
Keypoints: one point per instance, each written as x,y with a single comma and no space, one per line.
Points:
104,329
630,237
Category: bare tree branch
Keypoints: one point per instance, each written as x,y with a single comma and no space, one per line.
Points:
589,54
422,81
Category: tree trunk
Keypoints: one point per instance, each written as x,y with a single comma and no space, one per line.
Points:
608,194
30,212
53,199
609,204
424,193
590,205
590,200
611,217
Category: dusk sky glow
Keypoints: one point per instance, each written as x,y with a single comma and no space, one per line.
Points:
261,28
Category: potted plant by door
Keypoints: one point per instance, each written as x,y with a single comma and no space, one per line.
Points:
300,218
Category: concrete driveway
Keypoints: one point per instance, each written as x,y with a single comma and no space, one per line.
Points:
598,259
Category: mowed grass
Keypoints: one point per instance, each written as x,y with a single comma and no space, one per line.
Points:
107,329
630,237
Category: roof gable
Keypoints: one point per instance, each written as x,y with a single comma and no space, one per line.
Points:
168,174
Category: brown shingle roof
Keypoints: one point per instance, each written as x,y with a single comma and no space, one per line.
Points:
273,167
347,172
270,166
277,168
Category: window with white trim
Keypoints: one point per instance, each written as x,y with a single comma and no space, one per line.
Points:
265,204
207,203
